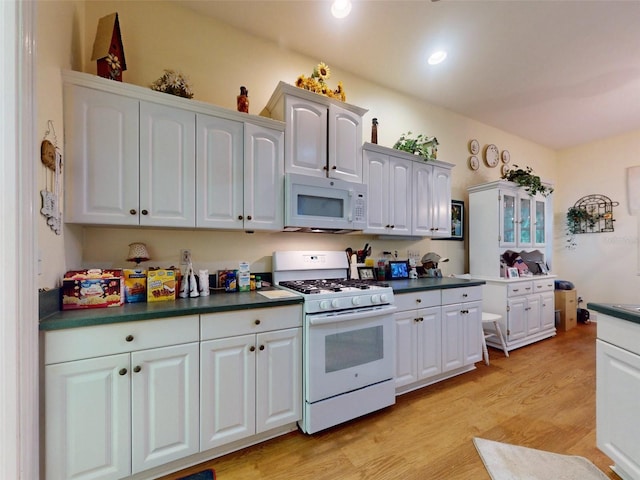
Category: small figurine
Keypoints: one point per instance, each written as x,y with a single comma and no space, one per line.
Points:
243,100
374,130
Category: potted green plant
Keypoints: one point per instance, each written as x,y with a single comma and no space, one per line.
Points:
525,178
426,147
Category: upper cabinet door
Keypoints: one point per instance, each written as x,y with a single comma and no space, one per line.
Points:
167,166
376,175
263,178
508,219
345,144
431,200
539,227
306,137
400,196
441,202
220,153
101,161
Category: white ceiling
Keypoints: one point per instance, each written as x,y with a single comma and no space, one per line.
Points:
558,72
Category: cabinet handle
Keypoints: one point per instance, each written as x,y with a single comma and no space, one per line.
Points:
122,371
132,211
393,226
137,368
418,300
464,295
417,319
261,347
516,289
239,217
257,321
145,212
129,338
252,348
248,217
334,168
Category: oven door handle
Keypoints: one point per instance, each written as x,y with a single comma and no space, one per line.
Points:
350,315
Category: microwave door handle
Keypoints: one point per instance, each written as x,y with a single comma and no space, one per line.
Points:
351,200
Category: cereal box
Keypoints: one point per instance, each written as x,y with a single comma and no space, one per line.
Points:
135,285
161,285
92,288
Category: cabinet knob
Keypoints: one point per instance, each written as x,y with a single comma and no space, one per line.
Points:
137,368
416,320
133,211
393,226
464,295
334,168
129,338
239,217
122,371
257,321
145,212
248,217
325,168
418,300
252,348
261,347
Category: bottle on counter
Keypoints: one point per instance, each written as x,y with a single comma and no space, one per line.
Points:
258,282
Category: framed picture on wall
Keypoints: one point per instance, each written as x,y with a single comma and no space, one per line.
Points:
457,221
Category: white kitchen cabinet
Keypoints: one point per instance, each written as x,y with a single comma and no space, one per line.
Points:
526,306
431,212
121,398
323,136
127,162
503,216
389,180
617,393
240,175
438,335
251,364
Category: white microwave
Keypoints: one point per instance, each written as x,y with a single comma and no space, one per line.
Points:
316,204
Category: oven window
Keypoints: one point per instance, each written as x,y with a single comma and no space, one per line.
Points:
320,206
353,348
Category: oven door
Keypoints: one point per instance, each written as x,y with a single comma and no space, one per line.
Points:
348,350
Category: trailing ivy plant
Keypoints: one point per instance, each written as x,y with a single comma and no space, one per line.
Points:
525,178
426,147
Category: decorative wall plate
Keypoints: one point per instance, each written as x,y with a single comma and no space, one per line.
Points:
504,169
491,155
506,156
474,163
474,147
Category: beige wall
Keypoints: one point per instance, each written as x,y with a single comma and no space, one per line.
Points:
603,266
218,60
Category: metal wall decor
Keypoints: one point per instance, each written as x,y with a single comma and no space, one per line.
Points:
595,214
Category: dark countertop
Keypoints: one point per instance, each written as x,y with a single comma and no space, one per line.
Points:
216,302
419,284
617,310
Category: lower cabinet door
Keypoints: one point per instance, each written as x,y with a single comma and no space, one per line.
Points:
429,342
88,428
452,337
473,332
165,415
227,393
406,347
617,413
278,378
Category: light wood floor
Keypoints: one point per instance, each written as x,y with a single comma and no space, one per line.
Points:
542,397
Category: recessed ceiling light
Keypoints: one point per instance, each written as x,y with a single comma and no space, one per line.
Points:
437,57
340,8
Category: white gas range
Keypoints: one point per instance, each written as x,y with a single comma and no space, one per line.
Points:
348,339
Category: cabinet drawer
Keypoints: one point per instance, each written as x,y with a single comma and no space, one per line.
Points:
462,294
519,288
544,285
100,340
242,322
413,300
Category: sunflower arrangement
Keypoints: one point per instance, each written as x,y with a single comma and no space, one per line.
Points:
173,82
317,83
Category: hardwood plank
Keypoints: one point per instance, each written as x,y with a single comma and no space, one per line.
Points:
542,396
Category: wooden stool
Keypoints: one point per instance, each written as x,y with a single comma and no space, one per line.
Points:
492,318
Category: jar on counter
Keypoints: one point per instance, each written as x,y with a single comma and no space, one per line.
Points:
252,282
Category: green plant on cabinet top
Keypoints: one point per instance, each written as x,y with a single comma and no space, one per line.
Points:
525,178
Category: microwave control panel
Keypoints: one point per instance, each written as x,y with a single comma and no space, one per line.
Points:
360,208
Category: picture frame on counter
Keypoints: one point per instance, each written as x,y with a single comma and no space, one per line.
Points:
512,272
457,221
366,273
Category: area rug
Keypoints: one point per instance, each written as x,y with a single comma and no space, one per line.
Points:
207,474
512,462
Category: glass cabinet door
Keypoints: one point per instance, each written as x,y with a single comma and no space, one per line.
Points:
524,221
540,231
508,220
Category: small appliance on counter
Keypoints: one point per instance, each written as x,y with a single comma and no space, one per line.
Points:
430,264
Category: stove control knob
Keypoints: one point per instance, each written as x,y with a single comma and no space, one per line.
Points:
375,298
335,303
324,305
384,298
356,300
